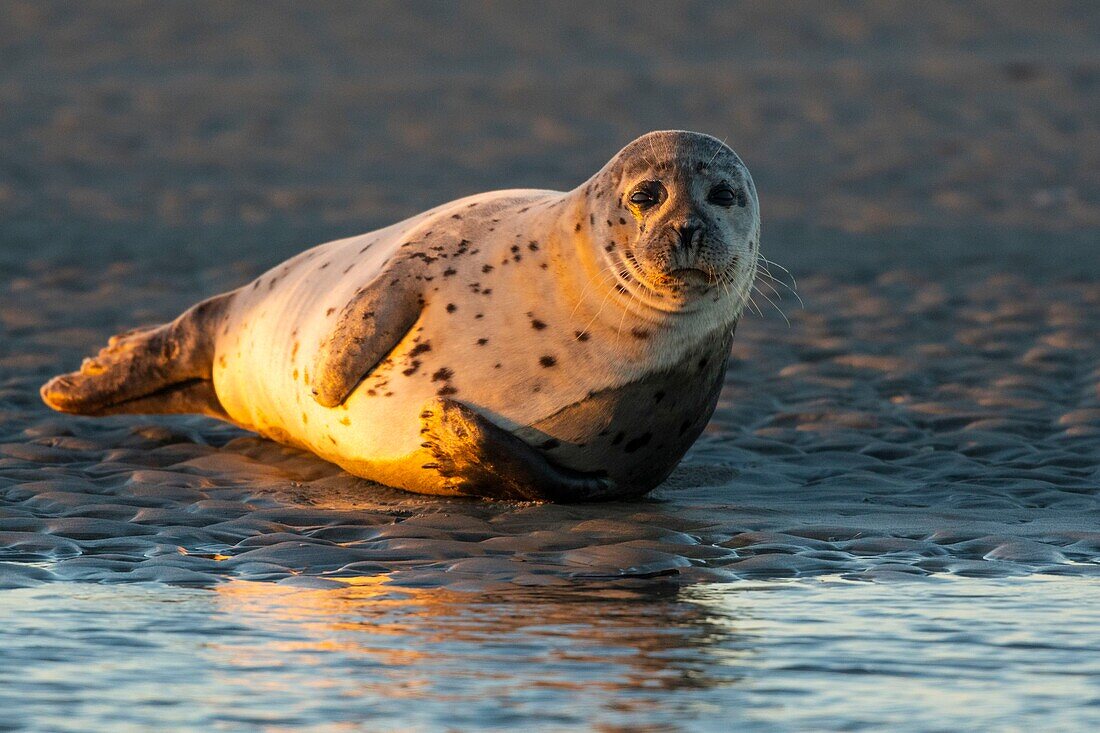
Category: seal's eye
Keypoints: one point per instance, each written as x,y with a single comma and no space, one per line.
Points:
647,194
722,195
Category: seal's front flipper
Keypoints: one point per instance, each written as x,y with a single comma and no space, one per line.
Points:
479,458
367,329
166,368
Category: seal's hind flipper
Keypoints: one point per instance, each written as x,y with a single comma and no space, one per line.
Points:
479,458
159,369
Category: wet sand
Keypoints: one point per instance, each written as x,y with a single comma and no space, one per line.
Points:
899,425
931,413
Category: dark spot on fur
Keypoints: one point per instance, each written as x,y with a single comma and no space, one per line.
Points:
305,418
515,248
533,246
486,291
486,268
456,216
610,246
581,335
620,287
578,227
330,311
442,375
537,324
639,333
479,315
451,307
482,342
547,361
496,366
420,349
622,220
294,375
446,390
345,421
637,443
449,271
325,265
414,365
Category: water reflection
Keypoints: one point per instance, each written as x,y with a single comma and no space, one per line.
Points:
943,653
611,649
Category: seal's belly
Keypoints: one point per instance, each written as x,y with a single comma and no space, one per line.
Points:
509,356
636,432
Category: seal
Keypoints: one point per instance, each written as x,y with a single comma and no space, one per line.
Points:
525,344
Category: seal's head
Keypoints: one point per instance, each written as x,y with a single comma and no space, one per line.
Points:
684,220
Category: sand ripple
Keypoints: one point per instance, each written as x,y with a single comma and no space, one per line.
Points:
902,426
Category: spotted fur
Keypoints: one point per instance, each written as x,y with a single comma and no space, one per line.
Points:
591,329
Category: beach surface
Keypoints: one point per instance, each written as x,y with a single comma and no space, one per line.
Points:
901,484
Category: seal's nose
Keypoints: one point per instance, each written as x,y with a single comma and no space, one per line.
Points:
687,233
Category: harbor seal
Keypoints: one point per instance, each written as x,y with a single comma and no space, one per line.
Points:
526,344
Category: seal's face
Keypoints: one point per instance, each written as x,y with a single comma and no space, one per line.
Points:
696,222
696,217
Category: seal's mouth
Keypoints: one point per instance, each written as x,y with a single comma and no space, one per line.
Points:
692,276
676,282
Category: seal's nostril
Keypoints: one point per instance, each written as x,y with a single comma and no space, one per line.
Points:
687,234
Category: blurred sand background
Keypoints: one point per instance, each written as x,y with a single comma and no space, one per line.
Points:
204,134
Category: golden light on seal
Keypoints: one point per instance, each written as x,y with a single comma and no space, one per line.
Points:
524,344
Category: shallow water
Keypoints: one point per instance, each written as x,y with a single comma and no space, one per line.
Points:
945,654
